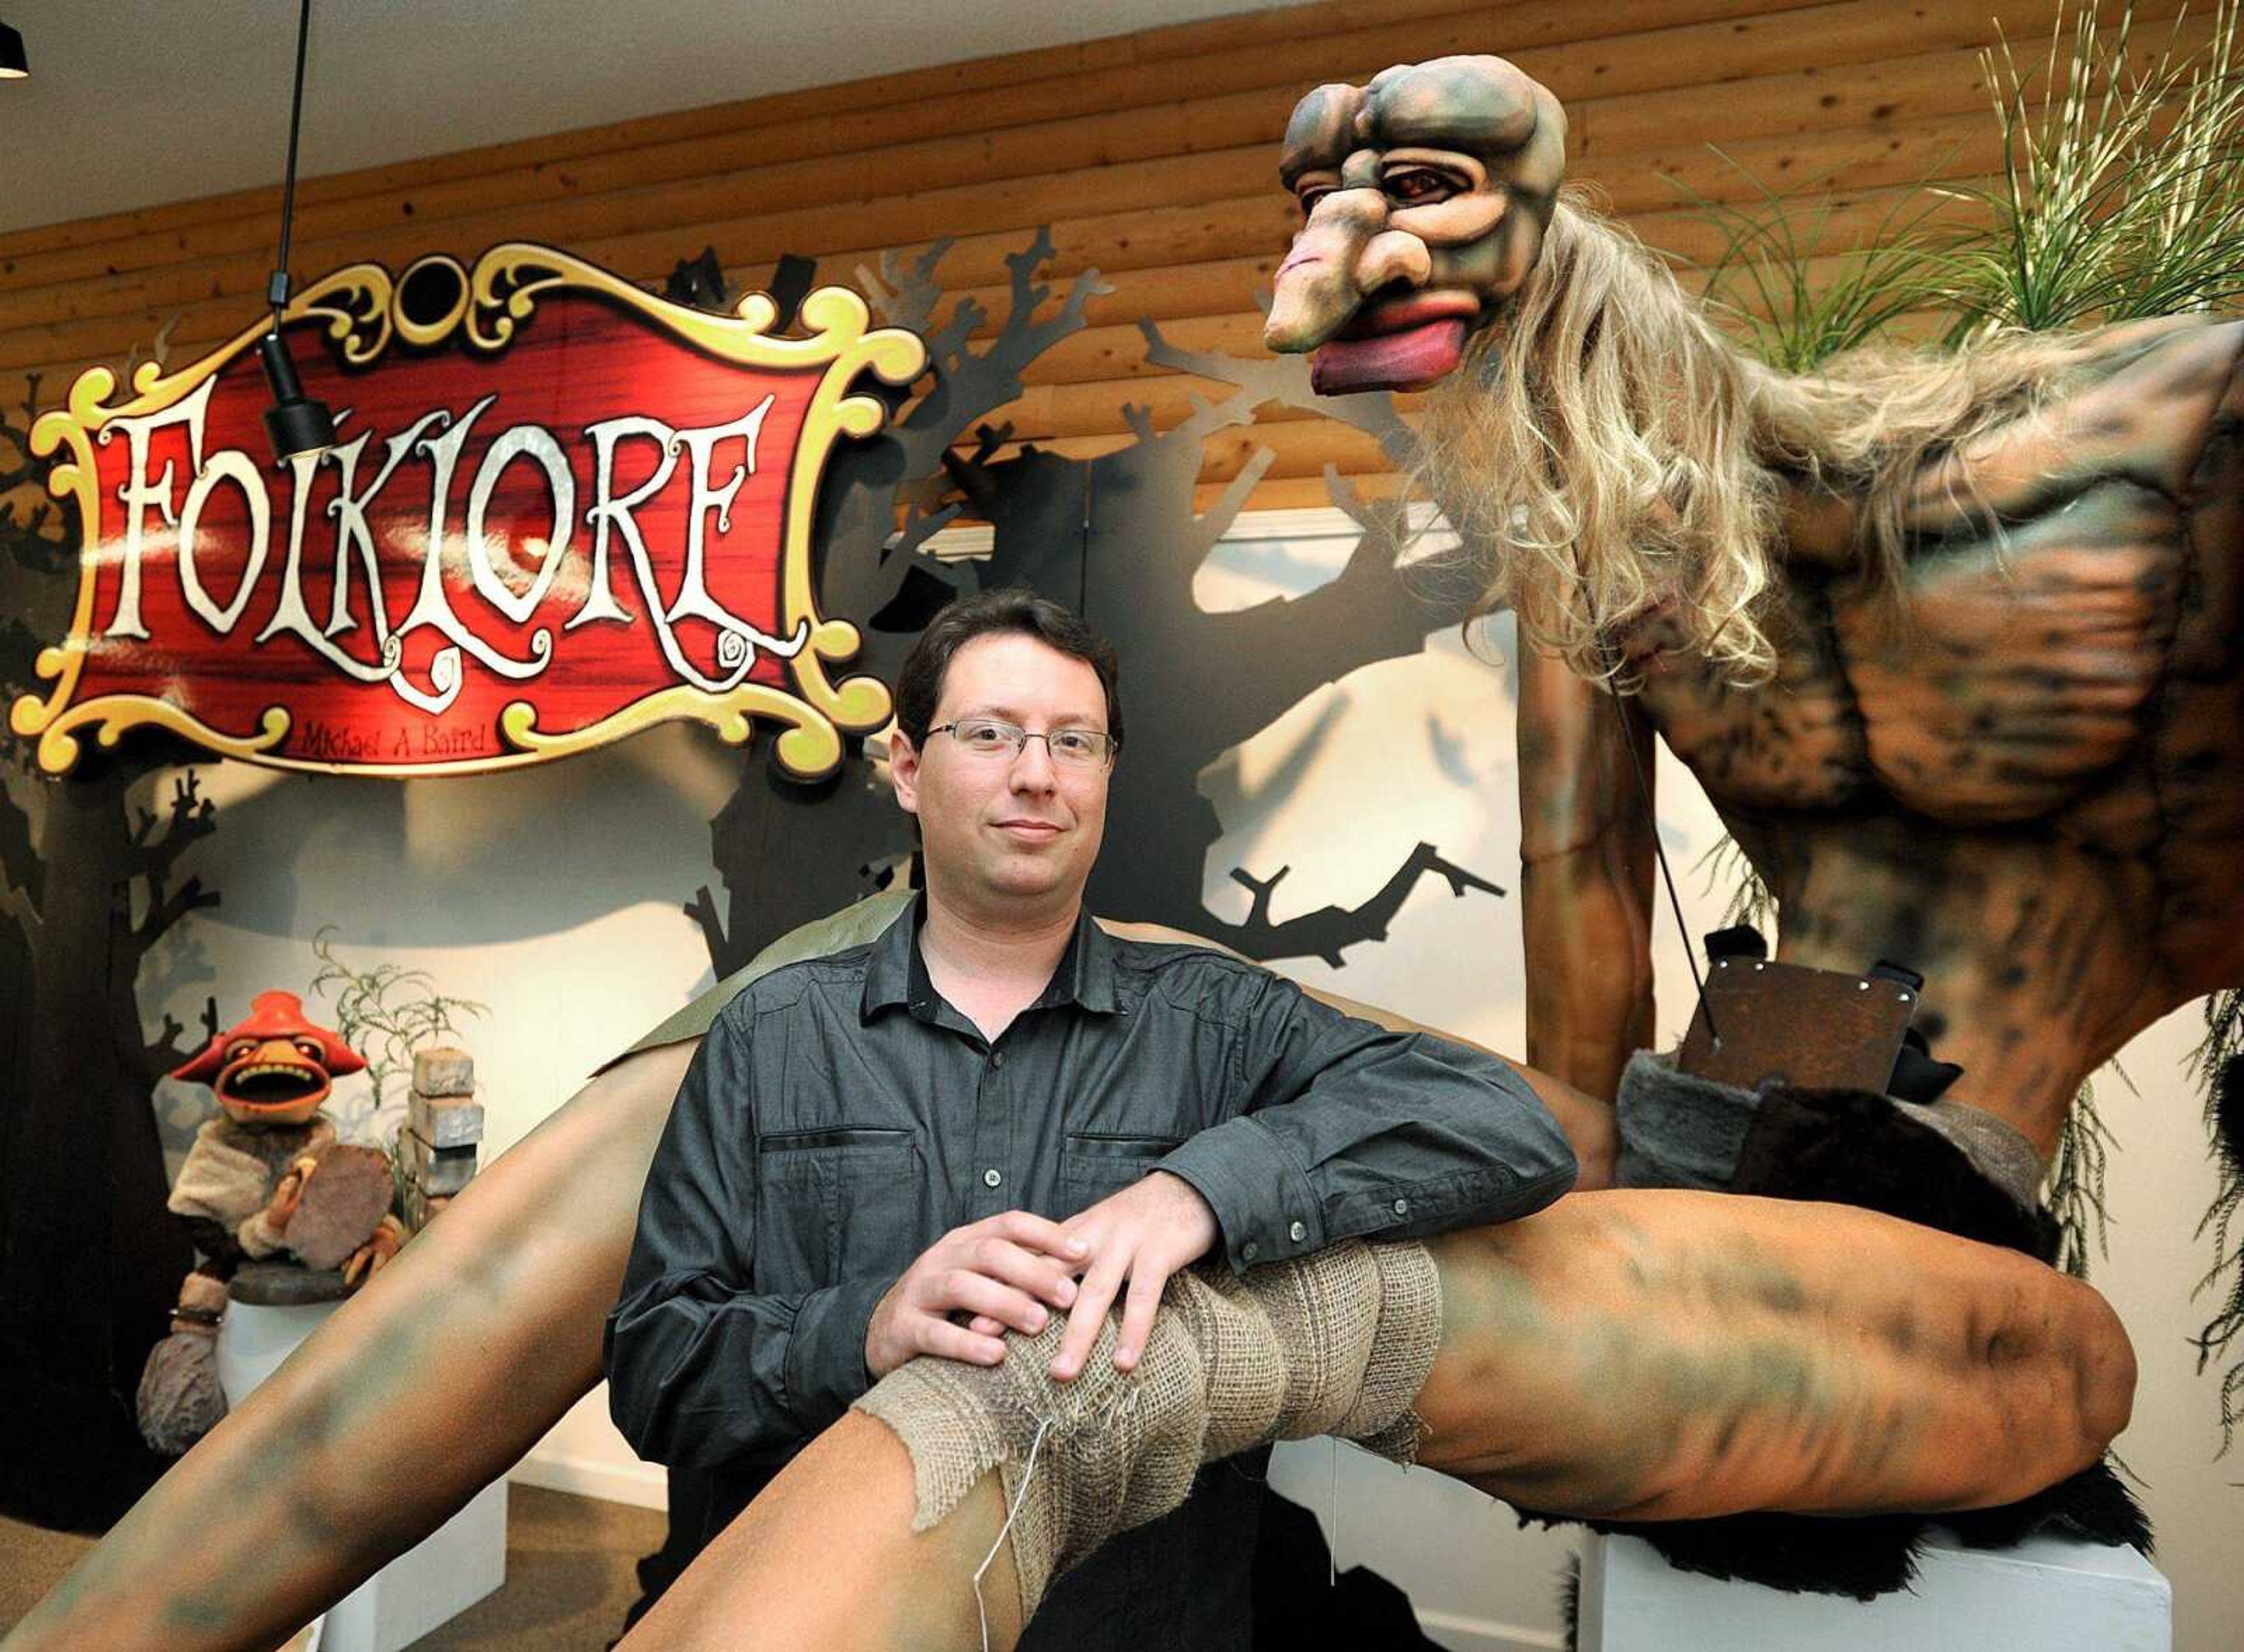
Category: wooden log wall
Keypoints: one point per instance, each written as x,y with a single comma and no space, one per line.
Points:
1152,157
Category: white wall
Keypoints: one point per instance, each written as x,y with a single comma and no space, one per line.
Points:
554,895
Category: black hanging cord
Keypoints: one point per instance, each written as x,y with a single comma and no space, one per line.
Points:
1667,873
1082,556
278,291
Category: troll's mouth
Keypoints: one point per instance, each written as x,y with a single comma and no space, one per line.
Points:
1410,359
1398,341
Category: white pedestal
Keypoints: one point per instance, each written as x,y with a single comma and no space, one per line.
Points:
2049,1594
252,1341
449,1571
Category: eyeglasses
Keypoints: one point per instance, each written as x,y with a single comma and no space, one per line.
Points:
1070,748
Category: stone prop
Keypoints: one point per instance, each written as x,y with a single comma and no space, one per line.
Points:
439,1146
286,1284
340,1206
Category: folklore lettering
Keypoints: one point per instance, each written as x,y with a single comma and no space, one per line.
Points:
561,511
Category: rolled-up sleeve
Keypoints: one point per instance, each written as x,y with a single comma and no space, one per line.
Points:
1352,1131
702,1370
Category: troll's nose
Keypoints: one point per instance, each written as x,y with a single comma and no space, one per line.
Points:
1321,281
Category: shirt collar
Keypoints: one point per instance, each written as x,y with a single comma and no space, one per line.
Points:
895,973
1085,975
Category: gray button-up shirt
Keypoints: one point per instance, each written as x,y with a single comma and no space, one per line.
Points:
840,1117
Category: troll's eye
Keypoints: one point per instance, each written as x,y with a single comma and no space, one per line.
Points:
1310,196
238,1048
307,1048
1417,185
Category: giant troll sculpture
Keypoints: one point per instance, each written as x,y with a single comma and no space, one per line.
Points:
1951,642
1663,1354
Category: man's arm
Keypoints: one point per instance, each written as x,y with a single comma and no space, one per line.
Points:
1350,1130
1585,878
1588,1122
702,1369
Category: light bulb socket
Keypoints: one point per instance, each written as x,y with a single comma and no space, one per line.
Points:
295,424
14,65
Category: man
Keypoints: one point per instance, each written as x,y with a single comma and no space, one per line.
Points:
995,1111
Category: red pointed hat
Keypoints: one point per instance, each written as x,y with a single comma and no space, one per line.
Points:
273,1015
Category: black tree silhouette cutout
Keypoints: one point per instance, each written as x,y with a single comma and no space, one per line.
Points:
1118,537
90,1258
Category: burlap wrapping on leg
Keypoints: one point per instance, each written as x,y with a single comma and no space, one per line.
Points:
1339,1343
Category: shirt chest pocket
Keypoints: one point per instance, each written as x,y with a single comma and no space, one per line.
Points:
1093,1164
836,1204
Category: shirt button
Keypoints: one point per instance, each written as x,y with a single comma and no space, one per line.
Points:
1401,1207
992,1178
1297,1232
1248,1251
996,1059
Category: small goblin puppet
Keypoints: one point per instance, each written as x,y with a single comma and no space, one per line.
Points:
273,1204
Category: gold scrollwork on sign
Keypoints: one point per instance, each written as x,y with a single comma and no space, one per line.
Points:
362,310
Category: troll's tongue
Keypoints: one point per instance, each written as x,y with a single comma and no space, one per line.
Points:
1406,360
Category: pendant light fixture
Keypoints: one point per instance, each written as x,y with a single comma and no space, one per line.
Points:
14,65
296,423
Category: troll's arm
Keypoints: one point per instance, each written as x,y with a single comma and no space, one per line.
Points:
1585,849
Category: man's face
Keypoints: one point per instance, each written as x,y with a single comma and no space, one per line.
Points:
1424,196
1005,829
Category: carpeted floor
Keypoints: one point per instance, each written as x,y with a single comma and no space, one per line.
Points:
569,1576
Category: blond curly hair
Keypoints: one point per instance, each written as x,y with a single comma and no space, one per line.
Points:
1607,450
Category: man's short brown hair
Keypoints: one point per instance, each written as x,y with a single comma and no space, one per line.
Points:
1015,610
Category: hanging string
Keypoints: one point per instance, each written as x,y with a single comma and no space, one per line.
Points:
981,1609
1666,872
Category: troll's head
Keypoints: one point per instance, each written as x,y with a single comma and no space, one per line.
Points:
276,1067
1603,452
1427,194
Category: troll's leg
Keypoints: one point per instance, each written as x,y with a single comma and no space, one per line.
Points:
827,1557
1676,1356
1659,1355
423,1388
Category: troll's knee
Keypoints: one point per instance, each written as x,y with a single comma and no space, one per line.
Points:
1336,1344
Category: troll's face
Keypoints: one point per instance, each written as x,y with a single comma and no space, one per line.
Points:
276,1068
1426,194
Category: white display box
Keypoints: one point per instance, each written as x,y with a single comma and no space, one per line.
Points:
2050,1593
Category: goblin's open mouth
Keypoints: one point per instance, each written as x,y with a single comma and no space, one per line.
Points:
1404,343
271,1084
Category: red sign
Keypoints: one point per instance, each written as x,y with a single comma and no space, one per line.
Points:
559,510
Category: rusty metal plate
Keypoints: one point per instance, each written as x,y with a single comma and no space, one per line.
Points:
1786,1023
